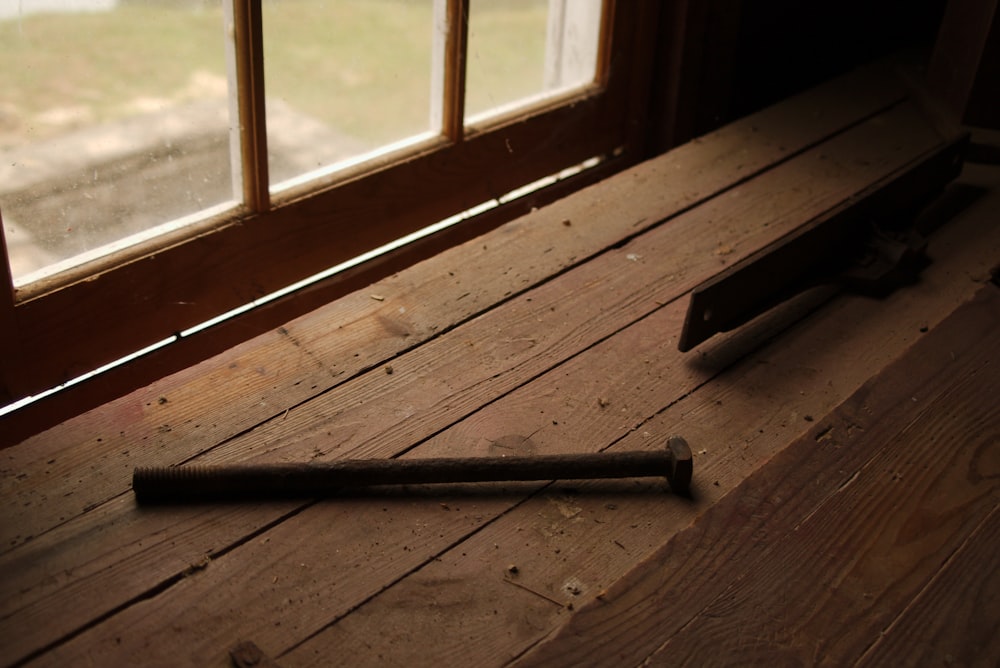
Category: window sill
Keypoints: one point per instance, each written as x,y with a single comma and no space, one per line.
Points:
554,333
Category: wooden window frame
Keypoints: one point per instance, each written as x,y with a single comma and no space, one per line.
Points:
58,329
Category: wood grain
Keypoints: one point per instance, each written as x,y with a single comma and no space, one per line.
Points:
811,557
955,619
568,546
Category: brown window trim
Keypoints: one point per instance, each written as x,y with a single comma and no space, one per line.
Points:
83,319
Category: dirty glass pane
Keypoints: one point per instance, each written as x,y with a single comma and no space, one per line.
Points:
522,50
113,120
344,78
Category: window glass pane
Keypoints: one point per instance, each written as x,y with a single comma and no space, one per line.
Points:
522,50
113,120
343,78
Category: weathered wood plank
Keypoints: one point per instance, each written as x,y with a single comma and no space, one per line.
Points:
843,572
569,547
956,619
471,376
817,552
88,462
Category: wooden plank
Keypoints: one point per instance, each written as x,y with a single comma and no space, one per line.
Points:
419,535
88,461
852,564
569,547
817,552
822,178
710,165
955,620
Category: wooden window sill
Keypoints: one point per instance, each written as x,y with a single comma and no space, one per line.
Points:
554,333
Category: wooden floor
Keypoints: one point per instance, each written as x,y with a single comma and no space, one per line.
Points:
847,451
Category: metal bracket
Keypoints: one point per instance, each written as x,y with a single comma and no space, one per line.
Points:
865,245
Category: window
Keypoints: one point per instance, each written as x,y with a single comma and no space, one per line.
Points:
259,143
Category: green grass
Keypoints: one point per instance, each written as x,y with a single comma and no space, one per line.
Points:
363,66
100,63
506,53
